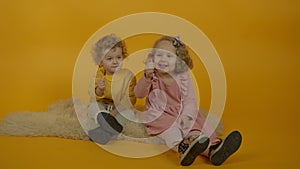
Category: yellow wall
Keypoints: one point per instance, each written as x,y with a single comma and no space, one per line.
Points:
257,41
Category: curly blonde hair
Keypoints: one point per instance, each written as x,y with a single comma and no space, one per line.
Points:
105,44
184,61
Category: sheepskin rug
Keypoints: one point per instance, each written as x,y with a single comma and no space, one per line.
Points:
61,120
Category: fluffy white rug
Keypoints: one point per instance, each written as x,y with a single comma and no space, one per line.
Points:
59,121
62,121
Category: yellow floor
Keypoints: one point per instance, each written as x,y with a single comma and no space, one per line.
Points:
260,149
258,43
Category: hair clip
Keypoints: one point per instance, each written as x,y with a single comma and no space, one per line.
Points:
177,42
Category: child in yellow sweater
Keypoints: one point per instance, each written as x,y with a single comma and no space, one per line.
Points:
113,89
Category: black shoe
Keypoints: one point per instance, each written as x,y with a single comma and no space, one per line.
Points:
226,148
192,147
109,122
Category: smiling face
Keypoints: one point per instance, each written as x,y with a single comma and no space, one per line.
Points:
112,61
165,57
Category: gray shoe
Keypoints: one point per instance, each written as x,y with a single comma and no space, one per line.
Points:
192,147
226,148
99,135
108,128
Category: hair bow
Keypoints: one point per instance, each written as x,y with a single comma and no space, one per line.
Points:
177,42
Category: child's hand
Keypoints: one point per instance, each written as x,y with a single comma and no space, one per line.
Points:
101,84
149,70
100,87
149,73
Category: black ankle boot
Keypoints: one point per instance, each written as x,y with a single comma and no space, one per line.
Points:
191,147
225,148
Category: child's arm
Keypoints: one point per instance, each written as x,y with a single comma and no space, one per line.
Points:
100,87
99,83
190,109
189,102
142,88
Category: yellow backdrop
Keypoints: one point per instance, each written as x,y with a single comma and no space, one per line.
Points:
257,41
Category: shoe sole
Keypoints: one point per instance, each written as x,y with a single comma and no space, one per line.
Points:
109,123
197,147
229,146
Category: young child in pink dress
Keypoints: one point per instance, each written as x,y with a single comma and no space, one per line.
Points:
171,108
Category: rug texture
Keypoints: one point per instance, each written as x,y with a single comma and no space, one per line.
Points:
61,120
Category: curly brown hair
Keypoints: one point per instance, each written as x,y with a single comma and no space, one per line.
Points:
184,60
105,44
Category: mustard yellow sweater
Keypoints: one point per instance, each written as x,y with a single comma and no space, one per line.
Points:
119,88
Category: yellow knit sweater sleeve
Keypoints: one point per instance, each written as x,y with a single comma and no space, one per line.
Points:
106,97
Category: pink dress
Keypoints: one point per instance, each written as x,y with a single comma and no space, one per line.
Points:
171,109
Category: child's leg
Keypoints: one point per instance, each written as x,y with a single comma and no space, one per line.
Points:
189,147
172,137
218,150
109,122
125,116
107,125
94,109
192,146
104,118
207,130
